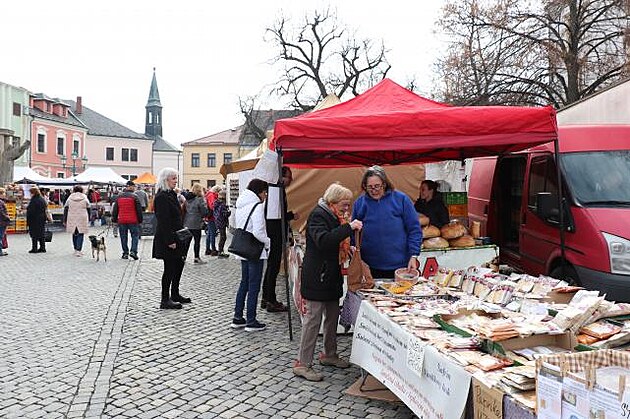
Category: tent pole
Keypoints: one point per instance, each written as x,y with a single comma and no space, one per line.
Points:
556,148
283,219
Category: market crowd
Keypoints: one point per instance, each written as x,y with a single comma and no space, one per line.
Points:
382,220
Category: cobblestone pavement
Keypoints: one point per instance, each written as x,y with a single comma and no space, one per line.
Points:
85,339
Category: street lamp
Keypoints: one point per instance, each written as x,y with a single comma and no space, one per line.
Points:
75,158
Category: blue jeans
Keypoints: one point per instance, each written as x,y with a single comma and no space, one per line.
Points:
211,235
134,229
2,231
251,277
77,240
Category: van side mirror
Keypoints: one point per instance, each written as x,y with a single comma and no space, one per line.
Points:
547,206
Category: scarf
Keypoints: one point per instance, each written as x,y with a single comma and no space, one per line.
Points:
344,246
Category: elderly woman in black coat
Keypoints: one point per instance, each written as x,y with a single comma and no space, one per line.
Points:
36,220
327,247
168,214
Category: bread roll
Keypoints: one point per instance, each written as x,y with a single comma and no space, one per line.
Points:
424,220
430,231
463,241
453,230
434,243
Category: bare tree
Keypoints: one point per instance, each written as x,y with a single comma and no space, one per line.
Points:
322,57
552,51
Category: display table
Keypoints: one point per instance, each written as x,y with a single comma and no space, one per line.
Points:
429,383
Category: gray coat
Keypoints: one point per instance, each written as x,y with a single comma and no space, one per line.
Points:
196,210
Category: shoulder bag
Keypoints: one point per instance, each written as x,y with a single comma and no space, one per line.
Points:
244,244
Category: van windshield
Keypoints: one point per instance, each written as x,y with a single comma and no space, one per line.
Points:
599,178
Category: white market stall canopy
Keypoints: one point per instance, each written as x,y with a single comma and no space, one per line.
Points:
27,175
99,175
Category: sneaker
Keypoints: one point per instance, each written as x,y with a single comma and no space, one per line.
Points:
333,361
125,256
3,253
181,299
208,252
200,262
78,254
256,326
170,305
214,253
133,256
307,372
223,255
238,323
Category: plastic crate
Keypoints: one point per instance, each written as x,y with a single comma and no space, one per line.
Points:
458,210
455,198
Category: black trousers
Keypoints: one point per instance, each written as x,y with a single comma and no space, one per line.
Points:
173,268
274,232
197,245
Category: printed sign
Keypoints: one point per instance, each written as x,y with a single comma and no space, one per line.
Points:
488,402
429,383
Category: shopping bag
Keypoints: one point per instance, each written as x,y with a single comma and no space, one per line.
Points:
359,275
244,244
5,243
48,235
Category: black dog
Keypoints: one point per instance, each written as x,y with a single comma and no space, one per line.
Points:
98,246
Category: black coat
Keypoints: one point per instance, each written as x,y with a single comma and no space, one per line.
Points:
168,214
36,217
434,209
321,273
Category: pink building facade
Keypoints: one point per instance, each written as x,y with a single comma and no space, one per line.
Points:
58,138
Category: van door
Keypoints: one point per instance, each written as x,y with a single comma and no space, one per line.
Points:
508,198
538,239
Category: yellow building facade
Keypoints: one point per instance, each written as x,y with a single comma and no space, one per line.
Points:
204,157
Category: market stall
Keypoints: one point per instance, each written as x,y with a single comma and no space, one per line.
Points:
389,125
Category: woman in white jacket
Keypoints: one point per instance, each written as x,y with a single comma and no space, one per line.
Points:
251,270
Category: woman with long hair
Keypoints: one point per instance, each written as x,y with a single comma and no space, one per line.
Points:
196,211
36,220
430,203
168,214
76,215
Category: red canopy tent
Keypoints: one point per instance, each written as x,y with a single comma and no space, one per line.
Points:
390,125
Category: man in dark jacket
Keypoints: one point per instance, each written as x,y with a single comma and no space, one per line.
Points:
274,231
127,212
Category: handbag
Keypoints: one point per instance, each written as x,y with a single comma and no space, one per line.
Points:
244,244
359,275
183,235
48,235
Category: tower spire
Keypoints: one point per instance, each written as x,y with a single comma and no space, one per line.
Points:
153,121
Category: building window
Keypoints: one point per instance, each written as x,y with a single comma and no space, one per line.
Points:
192,182
60,175
17,109
210,183
212,160
75,147
227,158
109,153
60,146
194,160
41,143
133,154
125,154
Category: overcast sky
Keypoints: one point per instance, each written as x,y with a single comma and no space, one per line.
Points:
207,53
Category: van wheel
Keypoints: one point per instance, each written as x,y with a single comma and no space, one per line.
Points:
570,275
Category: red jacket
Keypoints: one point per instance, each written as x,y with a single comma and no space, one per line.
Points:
210,198
127,209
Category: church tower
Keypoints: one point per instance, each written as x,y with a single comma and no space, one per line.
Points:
153,123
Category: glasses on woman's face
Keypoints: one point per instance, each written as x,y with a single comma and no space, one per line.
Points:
376,187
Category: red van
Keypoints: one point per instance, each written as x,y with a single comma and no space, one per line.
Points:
515,199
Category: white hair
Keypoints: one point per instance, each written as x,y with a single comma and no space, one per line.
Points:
163,177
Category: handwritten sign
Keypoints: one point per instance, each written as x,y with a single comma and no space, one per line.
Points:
147,227
430,384
488,402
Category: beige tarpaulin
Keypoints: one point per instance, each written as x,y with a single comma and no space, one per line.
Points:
309,185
